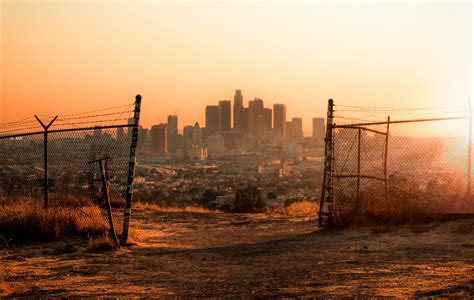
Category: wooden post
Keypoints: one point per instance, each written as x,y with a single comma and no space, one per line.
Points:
386,158
105,192
325,207
45,158
104,178
131,171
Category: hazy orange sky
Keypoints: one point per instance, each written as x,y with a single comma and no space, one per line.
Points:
59,57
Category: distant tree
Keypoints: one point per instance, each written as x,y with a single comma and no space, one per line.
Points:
248,200
272,195
208,199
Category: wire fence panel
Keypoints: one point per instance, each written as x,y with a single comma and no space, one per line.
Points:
396,171
59,157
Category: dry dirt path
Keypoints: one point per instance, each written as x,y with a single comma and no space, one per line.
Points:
183,255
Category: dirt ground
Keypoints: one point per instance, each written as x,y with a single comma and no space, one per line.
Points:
183,255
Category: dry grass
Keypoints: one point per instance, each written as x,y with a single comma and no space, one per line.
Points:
29,221
172,209
4,289
101,244
302,208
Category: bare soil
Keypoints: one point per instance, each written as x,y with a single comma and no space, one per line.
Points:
186,255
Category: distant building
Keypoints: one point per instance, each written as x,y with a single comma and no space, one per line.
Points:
239,111
319,130
196,134
121,134
142,138
279,119
255,109
294,128
224,115
297,127
159,139
267,112
260,126
215,143
193,153
188,132
172,130
212,119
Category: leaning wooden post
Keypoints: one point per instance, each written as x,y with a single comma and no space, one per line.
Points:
325,206
131,170
45,158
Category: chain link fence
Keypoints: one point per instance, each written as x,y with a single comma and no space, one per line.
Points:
386,171
49,169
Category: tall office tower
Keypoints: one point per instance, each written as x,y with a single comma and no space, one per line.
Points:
188,132
267,112
289,129
279,119
172,129
224,115
255,109
212,119
245,119
142,138
197,134
297,127
260,126
319,130
238,111
159,139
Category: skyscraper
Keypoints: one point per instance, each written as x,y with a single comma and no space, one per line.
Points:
318,128
279,119
212,119
267,112
297,128
255,109
172,129
224,115
159,139
196,134
238,111
188,132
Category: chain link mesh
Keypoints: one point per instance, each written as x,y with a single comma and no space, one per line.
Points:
73,183
419,169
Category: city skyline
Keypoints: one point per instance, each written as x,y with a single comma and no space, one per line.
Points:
233,115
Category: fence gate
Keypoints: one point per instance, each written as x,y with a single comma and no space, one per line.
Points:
395,170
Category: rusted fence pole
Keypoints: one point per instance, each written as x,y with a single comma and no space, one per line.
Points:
45,158
469,160
131,170
325,207
359,132
385,173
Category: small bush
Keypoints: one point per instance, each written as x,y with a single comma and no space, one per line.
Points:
302,208
101,244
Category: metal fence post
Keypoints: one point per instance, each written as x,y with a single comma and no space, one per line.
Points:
386,158
469,159
45,158
325,207
359,136
131,170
